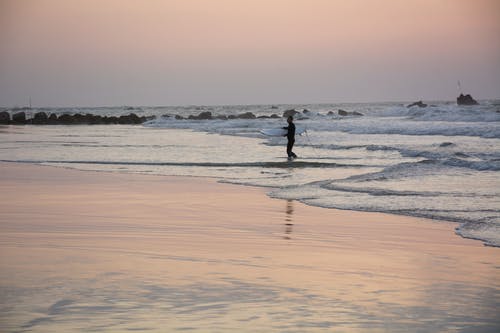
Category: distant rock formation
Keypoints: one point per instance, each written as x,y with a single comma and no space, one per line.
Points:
246,115
52,119
202,116
346,113
41,118
19,118
65,119
110,120
289,113
466,100
127,119
4,117
420,104
207,115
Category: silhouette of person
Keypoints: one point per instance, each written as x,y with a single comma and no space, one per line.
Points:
290,135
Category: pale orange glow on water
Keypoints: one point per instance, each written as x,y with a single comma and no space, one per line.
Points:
122,252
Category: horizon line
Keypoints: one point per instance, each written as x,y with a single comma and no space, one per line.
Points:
228,104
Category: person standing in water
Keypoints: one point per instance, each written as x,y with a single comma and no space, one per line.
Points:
290,135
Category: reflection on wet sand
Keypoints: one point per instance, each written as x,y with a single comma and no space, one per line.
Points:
215,263
288,219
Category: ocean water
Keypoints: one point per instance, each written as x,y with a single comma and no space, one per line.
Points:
441,162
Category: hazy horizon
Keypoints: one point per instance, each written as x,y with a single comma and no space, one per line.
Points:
35,106
193,52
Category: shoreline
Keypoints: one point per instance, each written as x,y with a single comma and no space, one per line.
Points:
117,252
266,189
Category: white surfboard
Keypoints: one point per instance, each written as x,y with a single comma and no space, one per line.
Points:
281,132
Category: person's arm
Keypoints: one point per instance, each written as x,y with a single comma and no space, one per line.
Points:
287,128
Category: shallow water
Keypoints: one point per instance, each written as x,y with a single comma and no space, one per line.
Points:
440,162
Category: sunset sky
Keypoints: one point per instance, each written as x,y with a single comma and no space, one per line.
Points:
178,52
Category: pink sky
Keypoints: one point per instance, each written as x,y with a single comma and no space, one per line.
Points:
171,52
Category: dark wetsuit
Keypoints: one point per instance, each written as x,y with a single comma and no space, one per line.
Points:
290,135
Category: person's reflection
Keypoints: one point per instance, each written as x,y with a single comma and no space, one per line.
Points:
288,219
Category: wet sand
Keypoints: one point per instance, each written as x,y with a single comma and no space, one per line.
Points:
88,251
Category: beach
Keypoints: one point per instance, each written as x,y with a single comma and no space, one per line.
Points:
85,251
249,166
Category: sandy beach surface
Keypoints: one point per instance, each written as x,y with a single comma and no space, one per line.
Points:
110,252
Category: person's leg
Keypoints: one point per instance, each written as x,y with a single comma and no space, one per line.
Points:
289,147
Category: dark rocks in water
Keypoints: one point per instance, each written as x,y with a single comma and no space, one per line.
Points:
78,119
466,100
246,115
40,118
113,120
346,113
129,119
52,120
65,119
93,119
289,113
273,116
110,120
19,118
306,111
446,144
178,117
420,104
206,115
4,117
221,117
330,113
